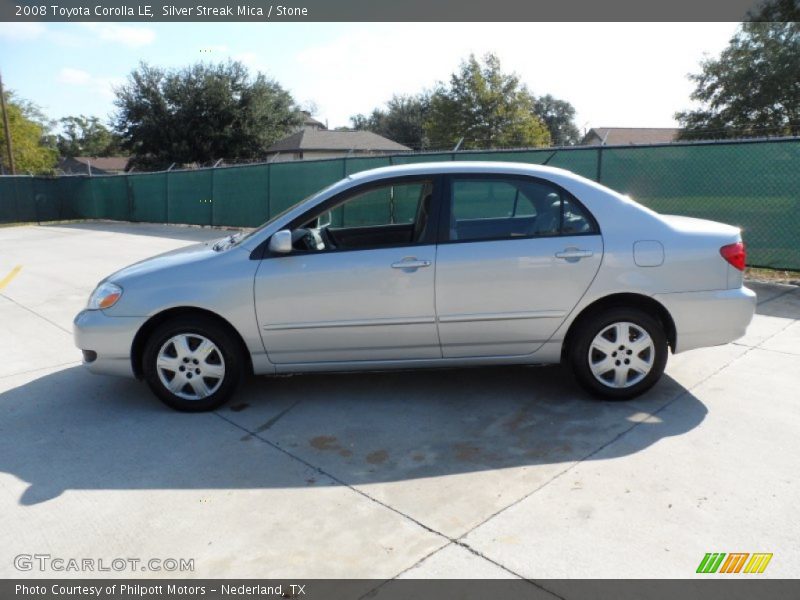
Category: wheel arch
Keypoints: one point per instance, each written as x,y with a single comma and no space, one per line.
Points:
632,300
140,339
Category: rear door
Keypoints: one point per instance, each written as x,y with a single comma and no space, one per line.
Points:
515,256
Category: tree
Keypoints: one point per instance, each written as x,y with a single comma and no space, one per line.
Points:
753,87
201,113
559,117
403,121
86,136
777,10
29,134
486,107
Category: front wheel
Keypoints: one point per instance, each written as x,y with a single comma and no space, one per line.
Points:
192,364
619,353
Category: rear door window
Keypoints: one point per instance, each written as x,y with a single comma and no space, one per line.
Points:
491,208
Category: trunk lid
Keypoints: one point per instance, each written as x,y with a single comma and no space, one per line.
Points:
692,225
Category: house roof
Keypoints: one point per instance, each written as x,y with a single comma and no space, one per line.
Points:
322,139
309,121
105,164
620,136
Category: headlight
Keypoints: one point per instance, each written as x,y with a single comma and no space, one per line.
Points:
105,295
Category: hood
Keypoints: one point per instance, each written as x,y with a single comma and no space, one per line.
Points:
162,262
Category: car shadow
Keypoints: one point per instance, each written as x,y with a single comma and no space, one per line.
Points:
70,430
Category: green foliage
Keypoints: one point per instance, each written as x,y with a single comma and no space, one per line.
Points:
29,136
559,117
86,136
403,121
752,89
201,113
486,107
483,105
777,10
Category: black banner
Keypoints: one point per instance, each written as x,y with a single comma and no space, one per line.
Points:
376,10
738,587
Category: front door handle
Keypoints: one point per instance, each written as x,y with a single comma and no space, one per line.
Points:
411,263
574,254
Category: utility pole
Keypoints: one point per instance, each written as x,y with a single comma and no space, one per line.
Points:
6,128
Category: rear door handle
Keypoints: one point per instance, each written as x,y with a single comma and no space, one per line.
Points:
574,253
411,263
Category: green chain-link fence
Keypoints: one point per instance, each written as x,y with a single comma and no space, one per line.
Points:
752,184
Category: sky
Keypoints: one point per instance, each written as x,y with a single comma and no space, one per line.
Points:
614,74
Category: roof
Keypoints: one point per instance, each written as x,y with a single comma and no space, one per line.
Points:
101,164
461,166
309,121
322,139
622,136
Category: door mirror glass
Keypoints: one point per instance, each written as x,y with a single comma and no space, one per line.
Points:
281,242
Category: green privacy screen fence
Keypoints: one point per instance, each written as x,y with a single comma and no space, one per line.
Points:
752,184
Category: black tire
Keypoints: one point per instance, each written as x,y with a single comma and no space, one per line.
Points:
590,327
227,353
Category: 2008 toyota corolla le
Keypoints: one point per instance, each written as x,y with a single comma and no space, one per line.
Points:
427,265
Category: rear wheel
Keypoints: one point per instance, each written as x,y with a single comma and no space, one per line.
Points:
619,353
193,364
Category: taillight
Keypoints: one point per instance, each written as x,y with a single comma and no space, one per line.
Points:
735,254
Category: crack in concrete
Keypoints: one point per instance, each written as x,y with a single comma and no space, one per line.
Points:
268,425
781,295
459,540
33,312
323,472
620,435
71,363
766,349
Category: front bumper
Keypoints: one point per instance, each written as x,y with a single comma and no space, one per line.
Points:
709,318
106,341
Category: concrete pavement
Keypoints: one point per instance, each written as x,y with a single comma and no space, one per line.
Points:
493,472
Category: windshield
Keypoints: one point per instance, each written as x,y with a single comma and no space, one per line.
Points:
240,237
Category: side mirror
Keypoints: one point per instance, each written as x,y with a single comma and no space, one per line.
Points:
281,242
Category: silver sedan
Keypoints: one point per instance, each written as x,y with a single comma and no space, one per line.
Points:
427,265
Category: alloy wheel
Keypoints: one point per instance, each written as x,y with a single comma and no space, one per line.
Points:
190,366
621,355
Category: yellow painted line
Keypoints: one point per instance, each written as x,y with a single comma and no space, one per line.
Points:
7,279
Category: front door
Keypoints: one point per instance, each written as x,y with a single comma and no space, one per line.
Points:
359,284
518,254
